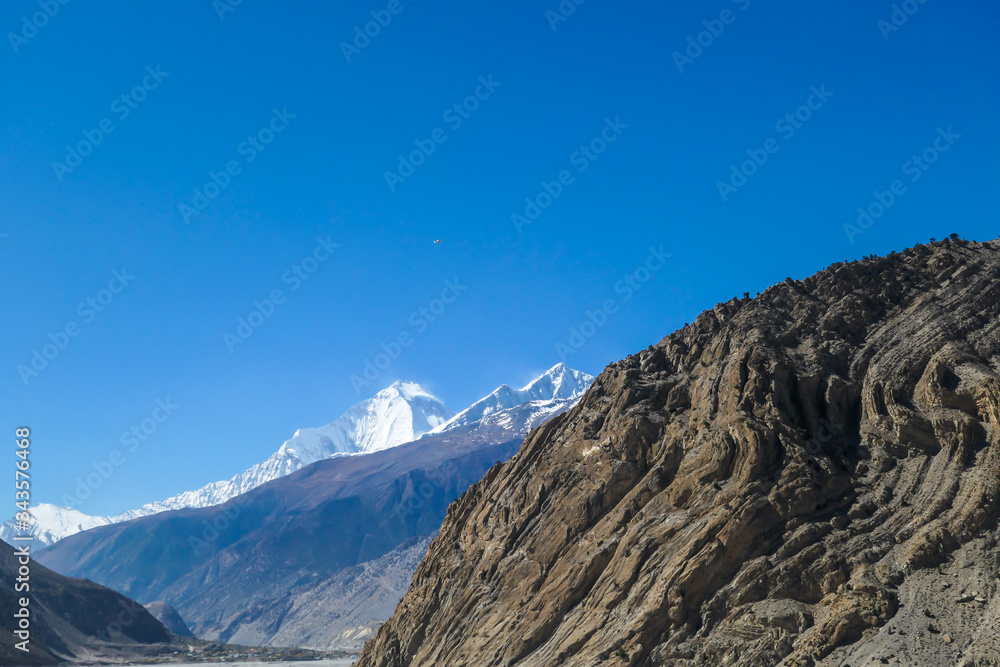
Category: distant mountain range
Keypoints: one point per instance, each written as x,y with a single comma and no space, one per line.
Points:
319,557
52,523
558,383
396,415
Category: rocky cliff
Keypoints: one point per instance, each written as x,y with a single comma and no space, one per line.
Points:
809,477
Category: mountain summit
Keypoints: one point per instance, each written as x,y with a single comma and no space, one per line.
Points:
558,383
52,523
809,477
396,415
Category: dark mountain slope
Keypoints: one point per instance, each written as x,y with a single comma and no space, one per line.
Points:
811,476
72,619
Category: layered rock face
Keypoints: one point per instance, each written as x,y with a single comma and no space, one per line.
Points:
810,477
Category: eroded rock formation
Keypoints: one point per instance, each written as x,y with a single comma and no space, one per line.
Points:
808,477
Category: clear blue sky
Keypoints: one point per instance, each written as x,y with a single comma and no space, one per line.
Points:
324,174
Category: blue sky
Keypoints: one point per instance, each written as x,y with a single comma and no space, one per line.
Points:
631,140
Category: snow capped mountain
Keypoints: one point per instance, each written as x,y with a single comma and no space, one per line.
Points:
327,593
559,383
52,523
520,419
394,416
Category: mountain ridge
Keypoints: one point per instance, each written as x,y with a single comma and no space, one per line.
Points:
316,558
395,415
372,425
559,382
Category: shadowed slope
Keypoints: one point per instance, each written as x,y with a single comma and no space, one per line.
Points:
70,618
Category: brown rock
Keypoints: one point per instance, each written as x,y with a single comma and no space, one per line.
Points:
754,488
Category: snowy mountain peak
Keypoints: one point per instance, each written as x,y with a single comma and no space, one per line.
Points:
406,390
559,382
52,523
396,415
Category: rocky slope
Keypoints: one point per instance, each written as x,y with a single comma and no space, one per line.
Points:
810,477
340,612
72,620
